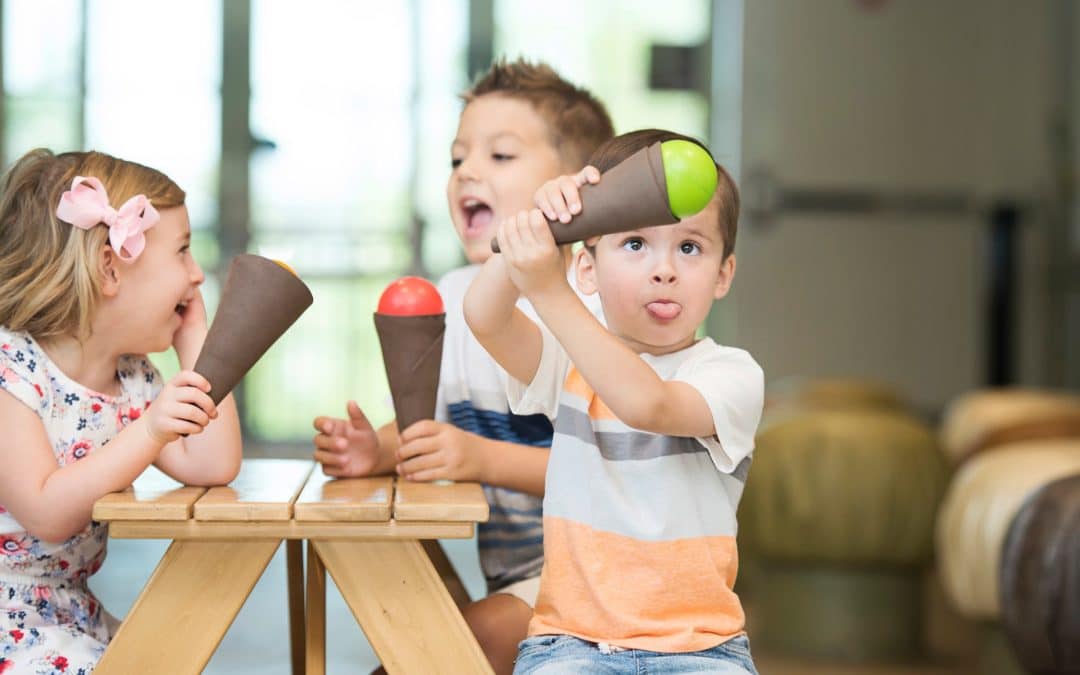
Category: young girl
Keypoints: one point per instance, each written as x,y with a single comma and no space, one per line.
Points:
95,272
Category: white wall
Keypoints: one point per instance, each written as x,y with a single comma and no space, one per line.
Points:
914,95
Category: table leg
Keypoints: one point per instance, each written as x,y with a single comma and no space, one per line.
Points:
446,571
315,648
403,607
186,607
294,562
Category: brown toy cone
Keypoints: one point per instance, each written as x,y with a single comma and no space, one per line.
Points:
631,194
261,299
412,354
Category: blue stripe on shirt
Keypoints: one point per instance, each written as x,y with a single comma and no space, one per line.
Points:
515,543
533,430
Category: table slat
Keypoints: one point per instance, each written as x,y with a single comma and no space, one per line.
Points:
439,502
264,490
344,499
287,529
153,496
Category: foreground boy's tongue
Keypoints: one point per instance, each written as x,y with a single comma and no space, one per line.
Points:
662,309
480,219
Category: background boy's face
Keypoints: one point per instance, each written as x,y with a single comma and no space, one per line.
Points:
657,284
502,154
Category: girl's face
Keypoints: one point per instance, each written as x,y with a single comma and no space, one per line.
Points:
155,290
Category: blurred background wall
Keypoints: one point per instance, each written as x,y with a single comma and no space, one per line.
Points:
908,168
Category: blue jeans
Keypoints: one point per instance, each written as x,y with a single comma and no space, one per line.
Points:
557,654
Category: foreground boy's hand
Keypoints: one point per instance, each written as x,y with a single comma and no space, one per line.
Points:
533,259
433,450
559,198
346,447
182,408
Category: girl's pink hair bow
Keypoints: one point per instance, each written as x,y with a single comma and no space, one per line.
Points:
86,205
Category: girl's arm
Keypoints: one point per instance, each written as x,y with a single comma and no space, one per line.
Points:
511,338
53,502
213,456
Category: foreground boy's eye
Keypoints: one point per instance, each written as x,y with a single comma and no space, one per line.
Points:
454,162
689,248
500,157
633,244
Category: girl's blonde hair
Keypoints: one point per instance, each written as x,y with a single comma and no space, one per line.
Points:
50,273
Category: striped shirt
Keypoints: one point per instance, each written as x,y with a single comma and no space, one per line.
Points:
639,528
472,396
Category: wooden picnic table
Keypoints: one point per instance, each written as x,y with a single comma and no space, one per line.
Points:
373,535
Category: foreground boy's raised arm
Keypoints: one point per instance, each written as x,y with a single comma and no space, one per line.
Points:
530,263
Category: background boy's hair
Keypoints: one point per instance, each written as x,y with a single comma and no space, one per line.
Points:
727,194
50,278
577,121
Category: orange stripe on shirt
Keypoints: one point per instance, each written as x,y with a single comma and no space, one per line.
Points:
575,384
665,596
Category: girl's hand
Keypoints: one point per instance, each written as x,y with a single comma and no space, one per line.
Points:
533,260
189,337
182,408
559,198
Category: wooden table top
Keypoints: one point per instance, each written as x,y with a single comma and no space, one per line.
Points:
292,499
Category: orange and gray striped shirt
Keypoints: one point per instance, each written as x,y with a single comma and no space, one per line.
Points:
639,528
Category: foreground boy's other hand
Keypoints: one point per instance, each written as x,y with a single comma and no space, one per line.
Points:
346,448
433,450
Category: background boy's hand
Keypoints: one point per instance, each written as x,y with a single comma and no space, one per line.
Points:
182,408
559,198
433,450
533,259
346,447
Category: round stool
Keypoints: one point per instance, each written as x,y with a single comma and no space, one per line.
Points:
1040,579
992,418
838,514
981,502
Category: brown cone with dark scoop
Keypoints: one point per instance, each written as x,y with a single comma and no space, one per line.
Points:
412,354
260,301
632,194
1040,580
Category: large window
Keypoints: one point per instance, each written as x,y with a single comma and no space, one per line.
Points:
359,116
352,109
605,45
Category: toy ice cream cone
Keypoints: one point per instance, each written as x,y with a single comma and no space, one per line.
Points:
261,299
411,322
657,185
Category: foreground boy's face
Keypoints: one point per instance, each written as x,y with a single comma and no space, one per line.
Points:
502,154
657,284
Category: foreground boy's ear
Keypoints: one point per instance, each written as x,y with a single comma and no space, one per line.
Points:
585,271
107,268
726,276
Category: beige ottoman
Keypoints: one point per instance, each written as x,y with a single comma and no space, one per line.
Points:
838,516
980,505
991,418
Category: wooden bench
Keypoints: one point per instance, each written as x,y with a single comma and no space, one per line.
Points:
370,534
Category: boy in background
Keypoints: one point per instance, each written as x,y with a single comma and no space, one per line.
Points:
522,125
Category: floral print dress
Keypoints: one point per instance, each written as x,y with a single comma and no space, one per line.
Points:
50,622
